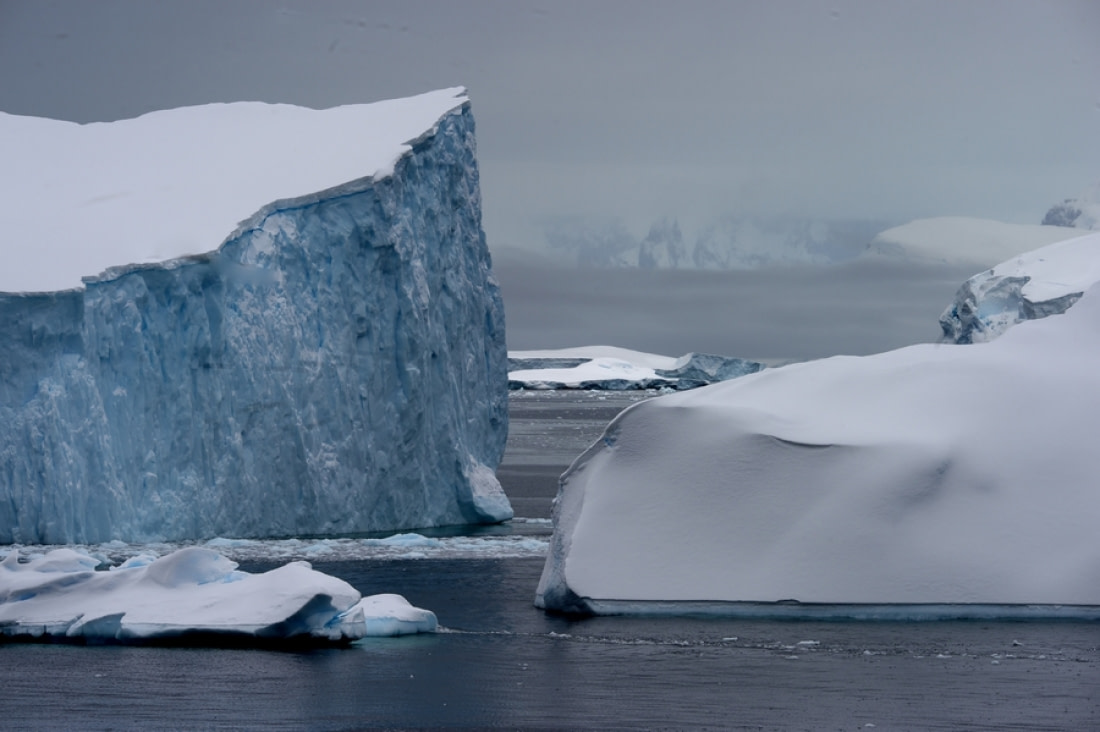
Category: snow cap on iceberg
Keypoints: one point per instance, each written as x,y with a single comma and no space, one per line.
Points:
82,198
962,240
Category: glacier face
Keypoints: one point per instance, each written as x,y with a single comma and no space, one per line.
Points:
1040,283
337,365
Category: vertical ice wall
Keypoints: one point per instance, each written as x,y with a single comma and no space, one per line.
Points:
338,365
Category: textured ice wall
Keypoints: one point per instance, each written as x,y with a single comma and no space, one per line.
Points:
336,366
1038,284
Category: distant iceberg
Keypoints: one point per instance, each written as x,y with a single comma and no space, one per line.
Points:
294,329
1034,285
930,481
1082,212
193,595
620,369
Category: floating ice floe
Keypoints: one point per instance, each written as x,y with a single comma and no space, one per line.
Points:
193,595
396,547
620,369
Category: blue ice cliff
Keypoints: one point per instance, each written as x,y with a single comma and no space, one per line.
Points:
337,365
1040,283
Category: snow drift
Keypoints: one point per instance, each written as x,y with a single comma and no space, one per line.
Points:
336,365
191,595
934,480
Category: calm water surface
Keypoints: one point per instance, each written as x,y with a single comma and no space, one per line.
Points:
502,663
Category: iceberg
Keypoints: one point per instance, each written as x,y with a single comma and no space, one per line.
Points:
308,339
193,595
1082,212
620,369
1034,285
931,481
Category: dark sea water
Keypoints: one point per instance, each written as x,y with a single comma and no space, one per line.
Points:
501,663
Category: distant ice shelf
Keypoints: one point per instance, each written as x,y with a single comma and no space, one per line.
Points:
193,596
961,240
620,369
321,350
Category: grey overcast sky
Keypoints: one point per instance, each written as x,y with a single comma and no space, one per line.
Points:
882,109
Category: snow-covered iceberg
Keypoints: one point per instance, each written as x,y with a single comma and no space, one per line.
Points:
320,351
961,240
609,367
193,595
1082,212
935,480
1034,285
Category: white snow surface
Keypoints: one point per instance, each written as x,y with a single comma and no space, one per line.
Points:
193,590
958,474
1056,270
81,198
964,241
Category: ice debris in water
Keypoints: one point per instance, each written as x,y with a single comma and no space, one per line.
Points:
191,593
